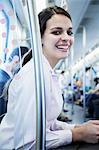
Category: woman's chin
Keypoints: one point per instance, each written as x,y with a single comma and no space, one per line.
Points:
64,55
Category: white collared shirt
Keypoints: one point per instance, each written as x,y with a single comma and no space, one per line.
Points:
18,127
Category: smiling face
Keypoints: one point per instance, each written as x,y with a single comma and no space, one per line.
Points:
57,38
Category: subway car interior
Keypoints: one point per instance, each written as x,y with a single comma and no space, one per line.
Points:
78,74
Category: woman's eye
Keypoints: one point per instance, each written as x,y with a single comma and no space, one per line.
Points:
56,32
69,32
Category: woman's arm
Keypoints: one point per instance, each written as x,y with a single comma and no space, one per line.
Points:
59,125
87,132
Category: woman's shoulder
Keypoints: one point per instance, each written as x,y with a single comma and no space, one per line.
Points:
28,67
25,74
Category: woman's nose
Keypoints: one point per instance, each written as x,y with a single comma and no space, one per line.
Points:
65,36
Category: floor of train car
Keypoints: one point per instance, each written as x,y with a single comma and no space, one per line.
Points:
75,113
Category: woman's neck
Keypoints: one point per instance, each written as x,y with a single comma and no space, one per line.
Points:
51,61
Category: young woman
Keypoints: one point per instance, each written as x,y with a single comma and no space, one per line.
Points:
18,127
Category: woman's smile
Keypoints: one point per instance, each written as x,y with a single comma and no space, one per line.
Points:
63,47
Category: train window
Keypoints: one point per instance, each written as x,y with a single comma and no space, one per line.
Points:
12,30
12,47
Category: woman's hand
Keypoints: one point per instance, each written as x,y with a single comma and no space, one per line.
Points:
87,132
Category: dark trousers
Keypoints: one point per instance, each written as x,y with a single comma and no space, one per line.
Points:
92,103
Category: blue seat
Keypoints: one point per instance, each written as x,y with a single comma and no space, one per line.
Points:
4,77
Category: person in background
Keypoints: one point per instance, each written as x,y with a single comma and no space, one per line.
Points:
7,71
96,89
92,101
19,125
62,84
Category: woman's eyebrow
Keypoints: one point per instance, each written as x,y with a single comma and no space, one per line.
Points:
70,28
59,28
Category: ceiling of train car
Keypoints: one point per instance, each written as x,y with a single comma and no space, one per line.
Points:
88,20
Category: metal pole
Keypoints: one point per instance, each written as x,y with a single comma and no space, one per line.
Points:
72,84
84,76
40,88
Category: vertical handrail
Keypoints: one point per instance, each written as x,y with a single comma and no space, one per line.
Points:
72,82
40,88
84,74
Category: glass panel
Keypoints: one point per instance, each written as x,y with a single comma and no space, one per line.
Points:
13,46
